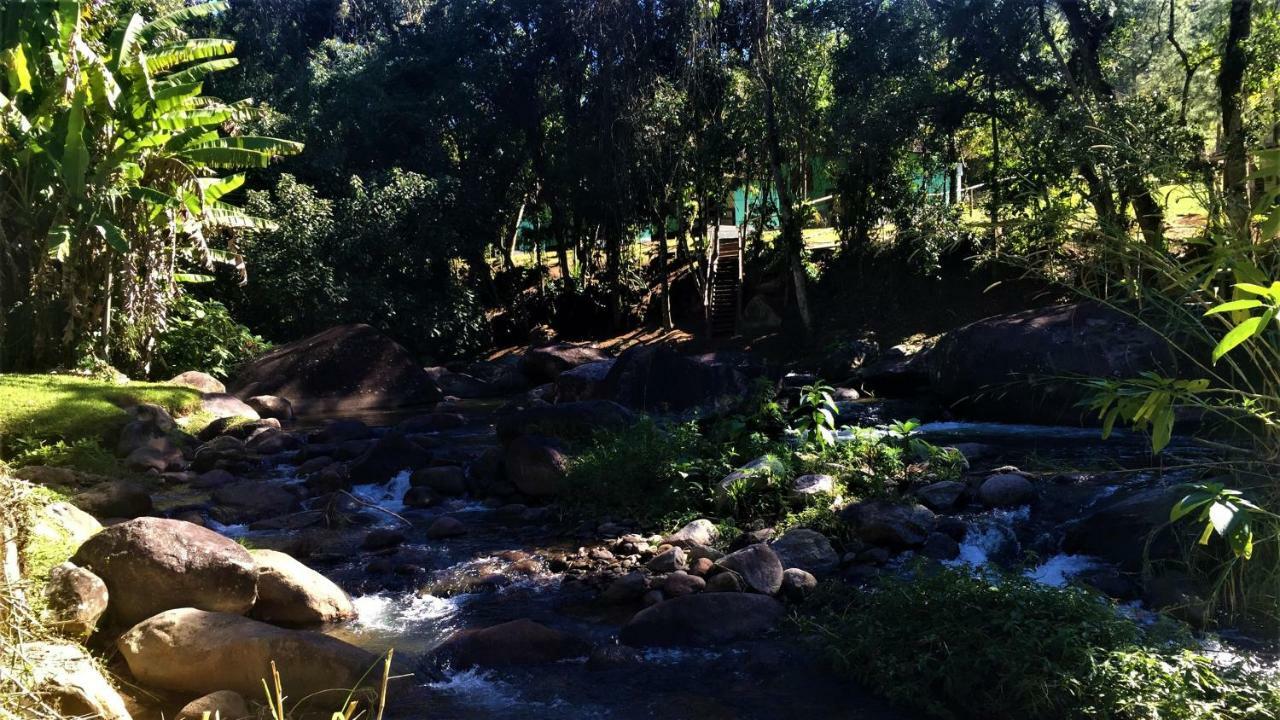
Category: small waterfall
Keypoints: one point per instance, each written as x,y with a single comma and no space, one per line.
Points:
389,495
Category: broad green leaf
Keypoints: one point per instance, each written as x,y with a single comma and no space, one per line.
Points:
1220,517
1238,334
1162,429
176,18
192,278
199,71
18,70
215,188
233,158
114,237
1253,289
174,54
1235,305
75,154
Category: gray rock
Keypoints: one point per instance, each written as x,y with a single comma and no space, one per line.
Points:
290,593
535,466
668,560
272,406
224,405
699,532
519,642
940,547
880,522
1006,490
151,565
759,567
223,705
204,382
628,588
941,496
809,487
75,599
702,619
446,480
808,550
726,581
66,677
115,499
680,583
797,585
446,527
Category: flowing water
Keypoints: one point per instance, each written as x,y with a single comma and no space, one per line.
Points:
415,596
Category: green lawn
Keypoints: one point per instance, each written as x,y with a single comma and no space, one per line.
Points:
68,407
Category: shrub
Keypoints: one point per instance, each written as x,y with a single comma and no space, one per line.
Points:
959,645
84,454
202,335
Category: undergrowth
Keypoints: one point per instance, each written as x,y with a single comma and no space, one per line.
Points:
958,645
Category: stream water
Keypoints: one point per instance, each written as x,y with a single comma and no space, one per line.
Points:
413,596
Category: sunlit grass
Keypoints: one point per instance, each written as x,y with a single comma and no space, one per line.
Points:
71,407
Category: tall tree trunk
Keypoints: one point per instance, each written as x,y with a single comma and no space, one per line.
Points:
664,271
1230,81
792,235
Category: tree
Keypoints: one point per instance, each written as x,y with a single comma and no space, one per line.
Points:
110,193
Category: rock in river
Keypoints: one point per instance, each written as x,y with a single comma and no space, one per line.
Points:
702,619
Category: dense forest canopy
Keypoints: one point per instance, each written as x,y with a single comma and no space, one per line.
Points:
448,141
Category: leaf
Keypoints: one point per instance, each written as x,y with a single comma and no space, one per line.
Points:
18,70
1238,334
178,17
215,188
168,56
1188,504
75,154
233,158
1162,429
1253,289
1220,517
191,278
1235,305
114,237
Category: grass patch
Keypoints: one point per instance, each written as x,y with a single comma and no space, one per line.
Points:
71,408
956,645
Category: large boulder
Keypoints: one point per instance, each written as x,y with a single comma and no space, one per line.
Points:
149,426
244,501
193,651
535,465
880,522
544,364
657,378
152,564
347,367
461,385
702,619
571,420
518,642
758,565
290,593
701,532
1006,490
271,406
974,367
1121,526
390,455
65,677
585,382
807,550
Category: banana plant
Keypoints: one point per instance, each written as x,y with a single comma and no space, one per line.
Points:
114,163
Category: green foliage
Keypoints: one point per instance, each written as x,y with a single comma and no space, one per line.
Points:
815,419
959,645
83,454
1146,402
110,185
202,335
72,408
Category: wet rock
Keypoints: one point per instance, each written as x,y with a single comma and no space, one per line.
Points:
382,538
698,532
115,499
154,459
952,527
75,599
570,420
248,500
873,556
448,480
612,657
312,465
797,585
421,497
518,642
808,550
880,522
1115,530
811,487
235,653
1177,594
702,619
204,382
218,452
150,565
270,441
759,567
333,477
68,679
446,527
626,589
290,593
340,431
680,583
653,597
940,547
430,423
1110,582
461,385
535,466
544,364
150,426
1006,490
669,560
941,496
213,479
392,454
223,705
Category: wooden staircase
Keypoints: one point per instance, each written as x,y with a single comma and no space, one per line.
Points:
724,305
